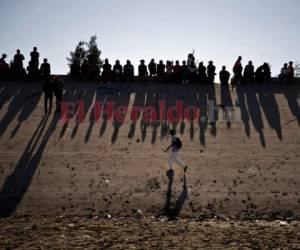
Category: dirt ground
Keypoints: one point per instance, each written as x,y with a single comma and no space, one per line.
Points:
246,169
145,233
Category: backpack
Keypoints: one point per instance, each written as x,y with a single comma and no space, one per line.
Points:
178,143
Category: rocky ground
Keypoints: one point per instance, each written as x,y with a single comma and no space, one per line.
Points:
146,233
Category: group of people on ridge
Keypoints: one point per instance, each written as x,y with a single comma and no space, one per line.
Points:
187,72
16,70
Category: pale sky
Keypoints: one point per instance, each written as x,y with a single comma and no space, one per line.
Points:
221,30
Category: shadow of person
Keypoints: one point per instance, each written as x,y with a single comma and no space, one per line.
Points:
270,108
29,105
241,103
13,109
226,101
18,182
255,113
169,211
292,95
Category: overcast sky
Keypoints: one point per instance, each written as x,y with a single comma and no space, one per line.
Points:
221,30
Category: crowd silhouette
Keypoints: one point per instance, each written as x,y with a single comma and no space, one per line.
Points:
16,70
186,72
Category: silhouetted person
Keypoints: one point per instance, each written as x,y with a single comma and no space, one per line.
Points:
224,76
161,71
106,73
290,74
2,59
45,69
128,71
190,59
84,70
4,68
267,73
142,70
283,76
152,68
185,72
259,75
202,73
249,73
33,71
18,59
169,71
58,89
192,72
48,90
117,71
35,58
211,72
263,74
17,69
237,70
177,71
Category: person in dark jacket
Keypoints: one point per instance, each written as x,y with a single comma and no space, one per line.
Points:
4,68
106,73
185,72
224,76
18,60
17,68
161,67
45,69
263,74
249,73
267,73
152,68
128,71
117,71
142,69
202,73
33,71
237,70
177,71
34,55
48,90
58,89
290,72
211,72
